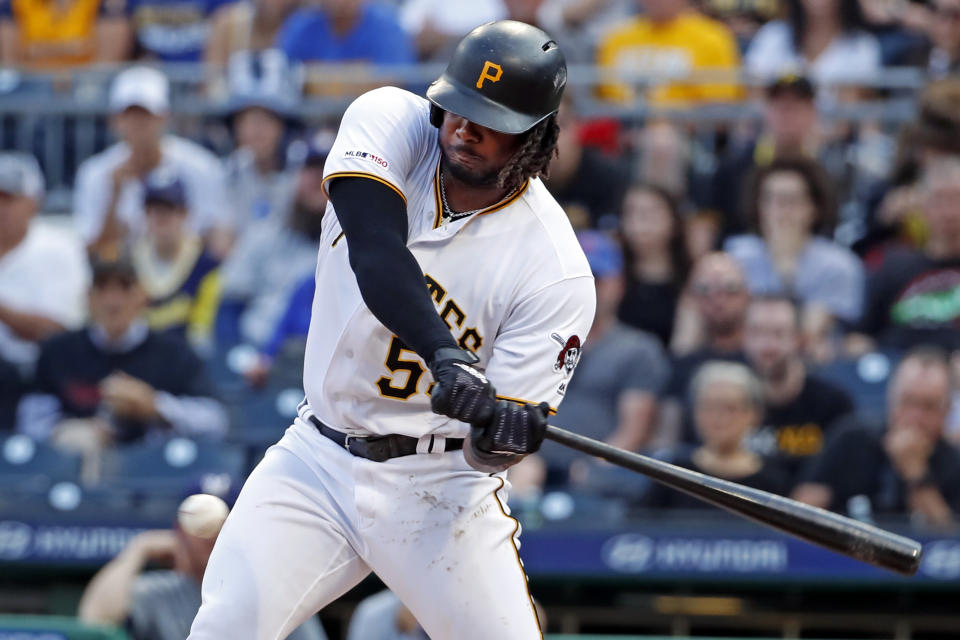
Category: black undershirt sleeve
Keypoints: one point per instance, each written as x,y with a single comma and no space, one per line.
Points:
373,218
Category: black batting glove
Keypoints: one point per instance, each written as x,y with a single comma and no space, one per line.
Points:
460,391
514,429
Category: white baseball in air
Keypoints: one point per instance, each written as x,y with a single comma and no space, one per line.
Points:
202,515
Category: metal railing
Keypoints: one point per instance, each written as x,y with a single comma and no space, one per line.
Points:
62,118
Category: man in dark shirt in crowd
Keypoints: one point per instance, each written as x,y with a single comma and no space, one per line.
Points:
914,297
116,380
908,468
800,408
588,185
719,296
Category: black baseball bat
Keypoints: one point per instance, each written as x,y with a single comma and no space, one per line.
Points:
818,526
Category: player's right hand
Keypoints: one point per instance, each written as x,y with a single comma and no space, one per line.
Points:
461,392
516,429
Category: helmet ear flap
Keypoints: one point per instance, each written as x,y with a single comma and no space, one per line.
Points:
436,115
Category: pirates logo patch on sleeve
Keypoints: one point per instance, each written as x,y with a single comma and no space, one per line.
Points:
569,354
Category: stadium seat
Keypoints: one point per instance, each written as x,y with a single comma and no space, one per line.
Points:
170,466
259,416
29,465
865,379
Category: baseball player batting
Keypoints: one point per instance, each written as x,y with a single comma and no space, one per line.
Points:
452,297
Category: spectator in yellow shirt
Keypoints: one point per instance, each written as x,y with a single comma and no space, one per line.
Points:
51,35
669,41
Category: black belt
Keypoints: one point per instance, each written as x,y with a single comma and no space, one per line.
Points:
381,448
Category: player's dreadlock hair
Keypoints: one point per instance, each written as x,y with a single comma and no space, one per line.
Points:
533,157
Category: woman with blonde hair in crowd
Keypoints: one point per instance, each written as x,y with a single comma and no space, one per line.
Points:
728,407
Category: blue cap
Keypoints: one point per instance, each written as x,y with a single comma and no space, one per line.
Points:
164,188
603,254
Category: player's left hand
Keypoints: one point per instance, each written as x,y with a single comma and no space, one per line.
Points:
461,392
514,429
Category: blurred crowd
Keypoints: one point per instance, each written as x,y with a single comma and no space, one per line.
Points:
781,308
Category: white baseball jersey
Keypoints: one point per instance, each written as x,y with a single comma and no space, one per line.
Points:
313,519
511,282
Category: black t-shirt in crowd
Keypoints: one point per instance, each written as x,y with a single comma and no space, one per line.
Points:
71,367
10,390
598,185
770,477
913,299
795,432
683,372
650,307
854,463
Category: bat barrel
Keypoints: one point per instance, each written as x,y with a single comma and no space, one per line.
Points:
818,526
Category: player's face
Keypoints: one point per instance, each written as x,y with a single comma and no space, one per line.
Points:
473,154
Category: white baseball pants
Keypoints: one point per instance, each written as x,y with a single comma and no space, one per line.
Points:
313,520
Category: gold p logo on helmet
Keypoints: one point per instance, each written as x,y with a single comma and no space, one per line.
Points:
486,74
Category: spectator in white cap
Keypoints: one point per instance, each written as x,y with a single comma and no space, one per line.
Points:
43,270
108,196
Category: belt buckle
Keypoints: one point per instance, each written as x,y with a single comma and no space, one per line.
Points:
351,436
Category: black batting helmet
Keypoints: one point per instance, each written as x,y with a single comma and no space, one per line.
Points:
506,76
